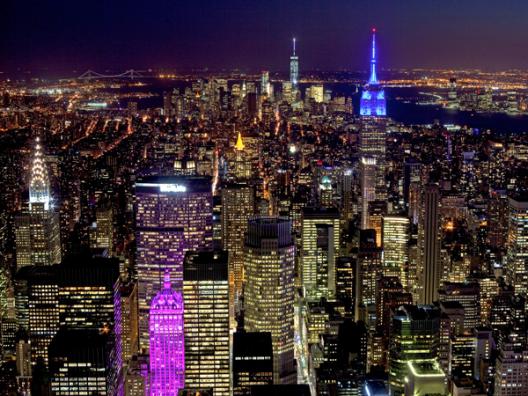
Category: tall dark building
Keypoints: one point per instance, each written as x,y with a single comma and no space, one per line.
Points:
252,361
430,240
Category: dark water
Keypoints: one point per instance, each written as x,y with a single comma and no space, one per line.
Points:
399,110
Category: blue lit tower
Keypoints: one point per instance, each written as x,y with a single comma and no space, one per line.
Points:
373,97
294,67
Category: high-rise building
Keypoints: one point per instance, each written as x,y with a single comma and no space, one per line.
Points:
269,253
265,86
88,289
294,67
510,371
81,363
369,271
173,215
430,244
129,321
318,252
206,322
368,172
37,302
517,256
167,345
37,228
252,361
414,338
238,203
395,251
373,101
102,230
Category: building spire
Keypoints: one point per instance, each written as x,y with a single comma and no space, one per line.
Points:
373,78
239,144
294,40
39,189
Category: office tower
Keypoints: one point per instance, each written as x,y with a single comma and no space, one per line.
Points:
37,228
414,338
173,215
269,253
467,295
368,172
102,230
265,86
37,302
376,210
81,364
411,174
167,345
369,271
238,203
252,361
430,245
136,376
390,296
294,68
498,218
206,321
372,144
510,371
129,320
345,267
88,289
425,378
318,252
395,252
373,96
517,256
462,354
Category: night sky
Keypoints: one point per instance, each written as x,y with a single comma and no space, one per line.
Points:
57,36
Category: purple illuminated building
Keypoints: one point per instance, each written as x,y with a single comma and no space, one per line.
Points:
167,345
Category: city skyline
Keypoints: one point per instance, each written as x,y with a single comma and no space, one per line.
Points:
56,39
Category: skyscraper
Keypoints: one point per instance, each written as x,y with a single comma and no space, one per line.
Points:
395,254
237,207
373,96
294,67
414,338
252,361
173,215
37,228
269,253
517,257
368,172
206,322
430,241
167,345
318,253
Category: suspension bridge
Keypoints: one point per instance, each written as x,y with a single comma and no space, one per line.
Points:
92,75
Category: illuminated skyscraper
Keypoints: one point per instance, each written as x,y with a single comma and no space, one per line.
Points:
265,86
294,67
269,253
517,257
173,215
368,171
395,254
37,228
206,322
237,207
319,250
167,345
414,338
373,97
